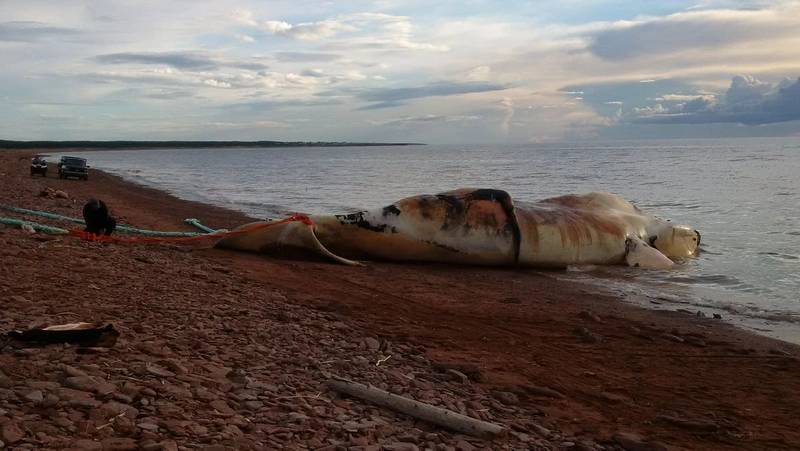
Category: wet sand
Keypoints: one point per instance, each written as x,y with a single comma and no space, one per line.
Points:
246,342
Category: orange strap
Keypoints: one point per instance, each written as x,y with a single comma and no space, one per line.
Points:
88,236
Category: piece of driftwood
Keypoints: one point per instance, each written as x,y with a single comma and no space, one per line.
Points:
426,412
82,334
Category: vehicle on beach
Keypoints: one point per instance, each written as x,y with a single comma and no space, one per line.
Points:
73,167
38,166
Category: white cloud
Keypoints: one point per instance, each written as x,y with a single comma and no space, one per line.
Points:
507,105
368,30
425,119
747,101
479,73
693,30
310,31
216,83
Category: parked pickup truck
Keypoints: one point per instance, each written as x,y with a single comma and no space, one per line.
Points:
73,167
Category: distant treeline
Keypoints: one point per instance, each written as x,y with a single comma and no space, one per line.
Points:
179,144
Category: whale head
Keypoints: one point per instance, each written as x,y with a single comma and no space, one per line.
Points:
677,241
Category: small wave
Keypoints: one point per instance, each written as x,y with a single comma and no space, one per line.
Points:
720,280
751,158
704,250
780,256
581,268
779,316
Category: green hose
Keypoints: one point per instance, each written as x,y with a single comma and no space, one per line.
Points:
38,227
196,223
121,228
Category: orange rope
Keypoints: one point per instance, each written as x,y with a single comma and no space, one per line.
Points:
88,236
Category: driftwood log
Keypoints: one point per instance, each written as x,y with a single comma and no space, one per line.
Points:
82,334
422,411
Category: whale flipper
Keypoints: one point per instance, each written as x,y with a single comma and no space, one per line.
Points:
639,254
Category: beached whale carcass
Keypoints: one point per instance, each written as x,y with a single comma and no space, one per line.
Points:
485,227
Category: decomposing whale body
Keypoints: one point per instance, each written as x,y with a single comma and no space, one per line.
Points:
485,227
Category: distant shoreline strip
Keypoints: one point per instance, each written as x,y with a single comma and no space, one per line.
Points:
4,144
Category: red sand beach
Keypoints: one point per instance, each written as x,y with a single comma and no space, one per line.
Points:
225,350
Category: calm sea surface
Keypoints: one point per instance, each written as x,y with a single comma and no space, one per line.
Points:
743,195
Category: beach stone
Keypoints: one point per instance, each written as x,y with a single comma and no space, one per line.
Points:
114,408
589,316
232,431
674,338
175,427
64,423
148,426
543,391
372,344
614,397
175,366
196,429
119,444
401,446
176,391
20,299
159,371
89,384
71,371
695,425
86,444
222,407
633,442
77,398
5,381
11,433
582,447
588,336
44,385
695,341
461,377
297,417
252,405
35,396
507,398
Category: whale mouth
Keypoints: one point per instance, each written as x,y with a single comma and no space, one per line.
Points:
697,248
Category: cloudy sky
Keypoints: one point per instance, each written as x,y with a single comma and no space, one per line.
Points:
439,72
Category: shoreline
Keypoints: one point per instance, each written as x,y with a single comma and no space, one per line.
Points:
774,324
581,365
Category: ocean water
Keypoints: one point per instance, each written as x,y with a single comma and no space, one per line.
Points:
743,195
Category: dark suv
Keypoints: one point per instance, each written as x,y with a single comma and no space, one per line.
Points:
73,167
38,166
